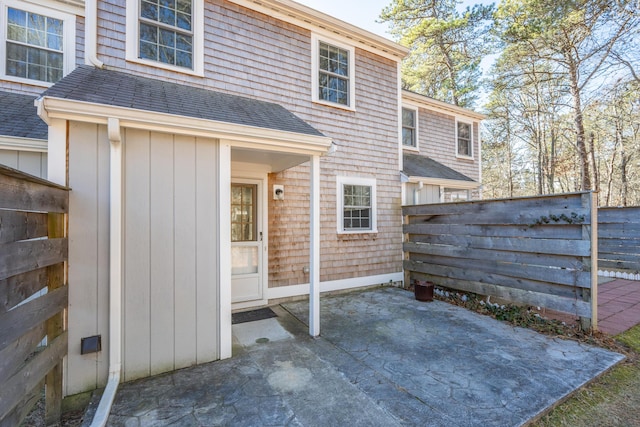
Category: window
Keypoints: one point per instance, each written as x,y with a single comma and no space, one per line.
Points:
166,33
39,43
333,79
465,139
409,128
356,205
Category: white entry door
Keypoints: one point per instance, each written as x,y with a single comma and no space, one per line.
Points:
246,241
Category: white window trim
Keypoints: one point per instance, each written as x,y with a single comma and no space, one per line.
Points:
463,156
315,64
417,125
133,45
341,181
68,34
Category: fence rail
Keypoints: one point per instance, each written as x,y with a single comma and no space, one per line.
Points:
536,251
33,294
619,239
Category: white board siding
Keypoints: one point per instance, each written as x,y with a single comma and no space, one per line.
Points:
170,269
170,289
30,162
88,255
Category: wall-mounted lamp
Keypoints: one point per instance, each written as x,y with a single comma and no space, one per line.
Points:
278,192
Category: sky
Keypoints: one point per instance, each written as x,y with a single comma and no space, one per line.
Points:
361,13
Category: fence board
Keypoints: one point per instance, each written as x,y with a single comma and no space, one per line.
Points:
619,238
17,288
16,225
565,305
24,381
531,250
546,260
571,232
23,408
21,194
579,248
22,257
626,215
25,317
15,354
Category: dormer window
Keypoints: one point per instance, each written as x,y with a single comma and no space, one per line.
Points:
333,73
166,33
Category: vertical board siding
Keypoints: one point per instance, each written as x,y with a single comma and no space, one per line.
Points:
162,254
88,253
171,288
30,162
137,258
619,238
534,251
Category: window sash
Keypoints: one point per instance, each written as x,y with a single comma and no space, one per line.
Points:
408,127
34,46
163,41
333,74
464,139
357,207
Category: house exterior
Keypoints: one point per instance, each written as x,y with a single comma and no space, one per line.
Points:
222,155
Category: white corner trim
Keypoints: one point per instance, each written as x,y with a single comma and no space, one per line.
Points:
23,144
224,250
334,285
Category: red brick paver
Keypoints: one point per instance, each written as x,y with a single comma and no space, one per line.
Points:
618,305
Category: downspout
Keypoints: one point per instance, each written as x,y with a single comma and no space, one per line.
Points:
91,34
115,274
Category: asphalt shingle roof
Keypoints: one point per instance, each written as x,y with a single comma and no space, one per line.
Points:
120,89
19,117
415,165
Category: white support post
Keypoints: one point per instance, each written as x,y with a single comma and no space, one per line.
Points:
224,234
57,152
314,249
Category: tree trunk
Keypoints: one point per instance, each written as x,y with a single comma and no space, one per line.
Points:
579,124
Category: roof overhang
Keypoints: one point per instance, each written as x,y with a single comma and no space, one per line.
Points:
449,183
313,20
433,104
249,137
23,144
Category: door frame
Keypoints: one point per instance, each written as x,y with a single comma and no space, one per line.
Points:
247,176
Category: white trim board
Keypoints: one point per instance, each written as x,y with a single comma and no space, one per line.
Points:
334,285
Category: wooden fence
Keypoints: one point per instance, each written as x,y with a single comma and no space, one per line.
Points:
539,251
619,239
33,252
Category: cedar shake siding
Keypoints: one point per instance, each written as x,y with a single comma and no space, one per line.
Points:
437,140
251,54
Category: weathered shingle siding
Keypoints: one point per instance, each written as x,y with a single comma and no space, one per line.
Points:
437,139
251,54
368,148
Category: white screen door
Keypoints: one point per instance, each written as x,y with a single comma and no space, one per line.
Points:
246,242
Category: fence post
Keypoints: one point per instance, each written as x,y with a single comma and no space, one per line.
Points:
55,326
590,232
406,255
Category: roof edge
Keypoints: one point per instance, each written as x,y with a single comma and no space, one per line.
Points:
272,139
451,183
441,105
312,19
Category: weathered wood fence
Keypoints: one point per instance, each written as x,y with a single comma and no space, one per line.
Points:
540,251
619,239
33,252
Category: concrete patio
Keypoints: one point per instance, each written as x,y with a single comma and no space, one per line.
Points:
384,359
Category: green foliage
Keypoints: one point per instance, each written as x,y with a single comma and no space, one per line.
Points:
446,46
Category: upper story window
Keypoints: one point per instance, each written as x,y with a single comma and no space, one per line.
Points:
39,43
166,33
464,138
333,73
356,205
409,128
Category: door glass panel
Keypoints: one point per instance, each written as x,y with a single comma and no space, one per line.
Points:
243,213
244,260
